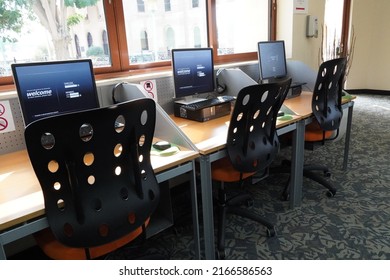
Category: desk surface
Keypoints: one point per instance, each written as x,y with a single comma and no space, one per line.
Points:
301,105
21,197
211,136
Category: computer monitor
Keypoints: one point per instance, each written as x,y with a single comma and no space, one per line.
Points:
51,88
193,72
272,60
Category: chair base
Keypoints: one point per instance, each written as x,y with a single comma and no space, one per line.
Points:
233,206
309,171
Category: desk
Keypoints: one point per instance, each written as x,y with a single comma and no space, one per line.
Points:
210,138
21,200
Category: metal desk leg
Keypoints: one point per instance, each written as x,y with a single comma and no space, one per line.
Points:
297,160
195,216
348,136
2,252
207,207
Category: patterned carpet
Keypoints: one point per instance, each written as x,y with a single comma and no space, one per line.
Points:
355,224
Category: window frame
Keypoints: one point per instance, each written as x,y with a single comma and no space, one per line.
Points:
117,42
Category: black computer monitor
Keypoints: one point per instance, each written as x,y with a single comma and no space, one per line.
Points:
56,87
193,72
272,60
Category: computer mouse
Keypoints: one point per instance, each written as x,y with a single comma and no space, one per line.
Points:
161,145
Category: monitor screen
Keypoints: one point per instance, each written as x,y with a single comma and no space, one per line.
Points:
272,60
193,71
52,88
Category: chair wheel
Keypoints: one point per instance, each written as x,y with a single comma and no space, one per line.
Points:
271,232
331,193
327,174
220,254
285,196
249,203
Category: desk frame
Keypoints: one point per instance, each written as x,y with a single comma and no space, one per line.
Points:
348,105
29,227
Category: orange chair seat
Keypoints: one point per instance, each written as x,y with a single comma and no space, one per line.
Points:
222,170
56,250
313,132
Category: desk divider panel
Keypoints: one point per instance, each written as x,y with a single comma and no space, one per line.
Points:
166,129
233,80
13,141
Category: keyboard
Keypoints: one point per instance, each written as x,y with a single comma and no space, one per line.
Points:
208,102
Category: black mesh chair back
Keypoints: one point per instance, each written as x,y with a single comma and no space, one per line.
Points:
95,171
252,141
326,102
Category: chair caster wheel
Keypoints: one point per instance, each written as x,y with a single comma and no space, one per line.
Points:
327,174
331,193
220,254
249,203
285,196
271,232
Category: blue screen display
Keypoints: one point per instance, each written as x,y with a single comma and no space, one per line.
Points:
51,88
193,71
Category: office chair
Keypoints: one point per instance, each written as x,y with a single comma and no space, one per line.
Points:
252,144
96,177
326,107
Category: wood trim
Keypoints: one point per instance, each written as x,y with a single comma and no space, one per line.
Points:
345,26
109,12
273,19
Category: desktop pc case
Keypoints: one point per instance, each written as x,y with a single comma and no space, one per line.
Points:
204,114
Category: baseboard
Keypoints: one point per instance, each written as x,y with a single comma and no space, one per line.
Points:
368,91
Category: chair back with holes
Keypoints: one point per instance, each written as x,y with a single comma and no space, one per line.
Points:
95,171
252,142
326,102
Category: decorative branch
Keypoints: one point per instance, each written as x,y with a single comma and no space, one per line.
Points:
334,51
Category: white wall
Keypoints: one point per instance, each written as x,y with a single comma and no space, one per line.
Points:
371,62
307,49
370,20
284,27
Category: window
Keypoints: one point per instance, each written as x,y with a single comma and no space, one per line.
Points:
195,3
336,29
249,26
43,35
197,38
126,35
144,41
78,49
177,26
167,4
105,43
170,39
89,40
141,6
